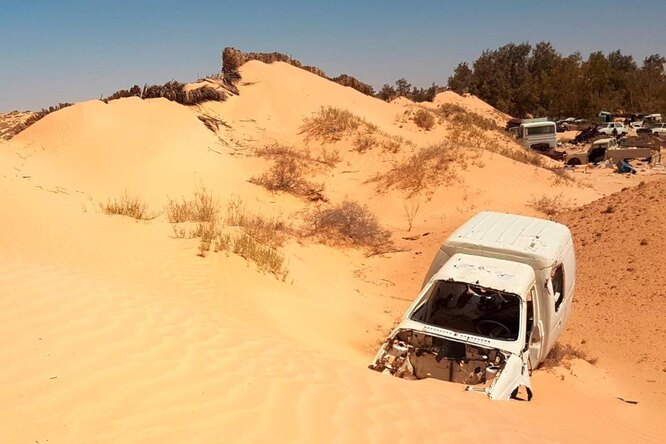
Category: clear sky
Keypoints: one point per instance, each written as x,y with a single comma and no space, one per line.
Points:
57,51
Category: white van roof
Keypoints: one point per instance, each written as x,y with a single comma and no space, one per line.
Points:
537,239
498,274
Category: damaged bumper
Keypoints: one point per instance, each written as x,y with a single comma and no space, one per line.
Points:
412,354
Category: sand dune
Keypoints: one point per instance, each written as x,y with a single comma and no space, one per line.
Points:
113,331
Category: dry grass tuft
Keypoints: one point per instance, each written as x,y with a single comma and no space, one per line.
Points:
364,142
206,232
549,205
252,236
201,208
561,355
424,119
349,223
267,259
427,168
331,124
127,205
271,232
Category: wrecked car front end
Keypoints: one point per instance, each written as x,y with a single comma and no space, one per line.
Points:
413,352
464,333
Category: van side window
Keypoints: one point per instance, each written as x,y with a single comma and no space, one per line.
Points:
557,278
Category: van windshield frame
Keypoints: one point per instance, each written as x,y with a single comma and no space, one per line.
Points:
471,309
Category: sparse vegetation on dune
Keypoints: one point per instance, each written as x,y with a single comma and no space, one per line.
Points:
471,129
289,168
172,90
251,236
459,116
287,175
348,223
331,124
201,208
267,259
267,231
427,168
127,205
328,157
233,59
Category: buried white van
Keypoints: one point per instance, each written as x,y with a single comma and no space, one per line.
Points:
495,299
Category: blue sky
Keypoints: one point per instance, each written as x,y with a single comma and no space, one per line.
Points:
53,52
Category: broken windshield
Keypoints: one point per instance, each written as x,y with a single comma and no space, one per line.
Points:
471,309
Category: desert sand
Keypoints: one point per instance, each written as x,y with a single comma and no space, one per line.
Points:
113,331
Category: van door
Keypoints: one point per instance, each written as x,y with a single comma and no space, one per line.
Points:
535,341
557,295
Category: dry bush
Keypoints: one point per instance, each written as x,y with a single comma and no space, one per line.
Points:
411,209
201,208
561,355
332,124
348,223
548,205
127,205
206,232
429,167
391,146
329,158
134,91
286,175
364,142
424,119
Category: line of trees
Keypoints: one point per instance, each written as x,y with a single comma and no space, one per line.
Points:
522,80
403,88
